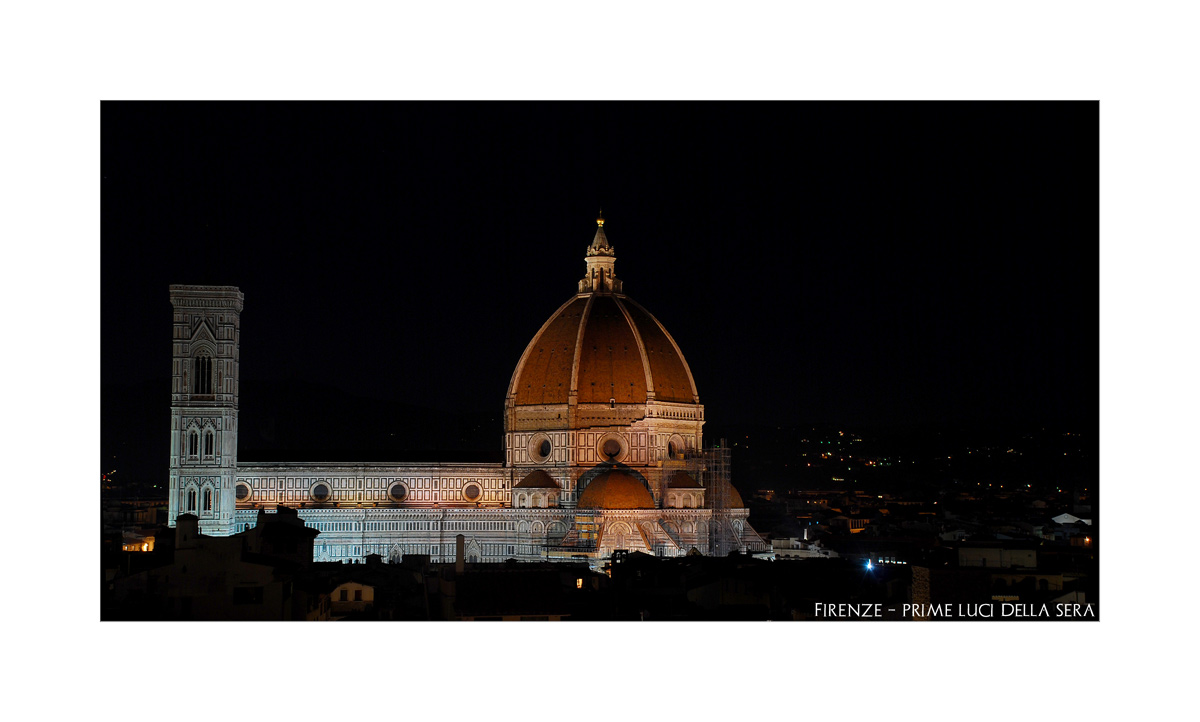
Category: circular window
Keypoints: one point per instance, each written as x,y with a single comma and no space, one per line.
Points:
612,447
398,492
320,492
243,492
471,491
540,448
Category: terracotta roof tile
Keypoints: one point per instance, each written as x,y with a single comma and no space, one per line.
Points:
546,376
610,360
615,490
537,479
672,382
610,363
681,480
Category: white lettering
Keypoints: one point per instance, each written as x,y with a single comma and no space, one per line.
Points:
848,611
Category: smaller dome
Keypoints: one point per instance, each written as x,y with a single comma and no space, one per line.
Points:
615,490
537,479
735,499
681,480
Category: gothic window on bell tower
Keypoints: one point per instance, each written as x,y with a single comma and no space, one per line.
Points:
191,500
193,443
209,443
202,371
208,500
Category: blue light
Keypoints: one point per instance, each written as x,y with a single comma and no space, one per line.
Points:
869,565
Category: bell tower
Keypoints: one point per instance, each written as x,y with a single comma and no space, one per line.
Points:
204,405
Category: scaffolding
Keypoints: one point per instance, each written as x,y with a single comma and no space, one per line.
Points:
711,469
715,479
587,528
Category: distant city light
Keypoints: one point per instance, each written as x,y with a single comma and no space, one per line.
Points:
869,567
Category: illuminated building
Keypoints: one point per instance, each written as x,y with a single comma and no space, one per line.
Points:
603,448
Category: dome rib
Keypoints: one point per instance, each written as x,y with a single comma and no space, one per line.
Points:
587,311
641,347
597,347
673,380
610,365
549,359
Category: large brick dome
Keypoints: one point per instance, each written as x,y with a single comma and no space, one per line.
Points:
602,380
604,347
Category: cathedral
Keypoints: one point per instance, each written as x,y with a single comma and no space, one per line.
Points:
603,439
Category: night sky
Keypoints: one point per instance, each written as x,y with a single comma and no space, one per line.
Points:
853,263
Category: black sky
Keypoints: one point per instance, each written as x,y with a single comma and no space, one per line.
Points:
858,263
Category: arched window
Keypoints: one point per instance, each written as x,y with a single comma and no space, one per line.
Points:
208,500
202,368
191,500
193,443
209,439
